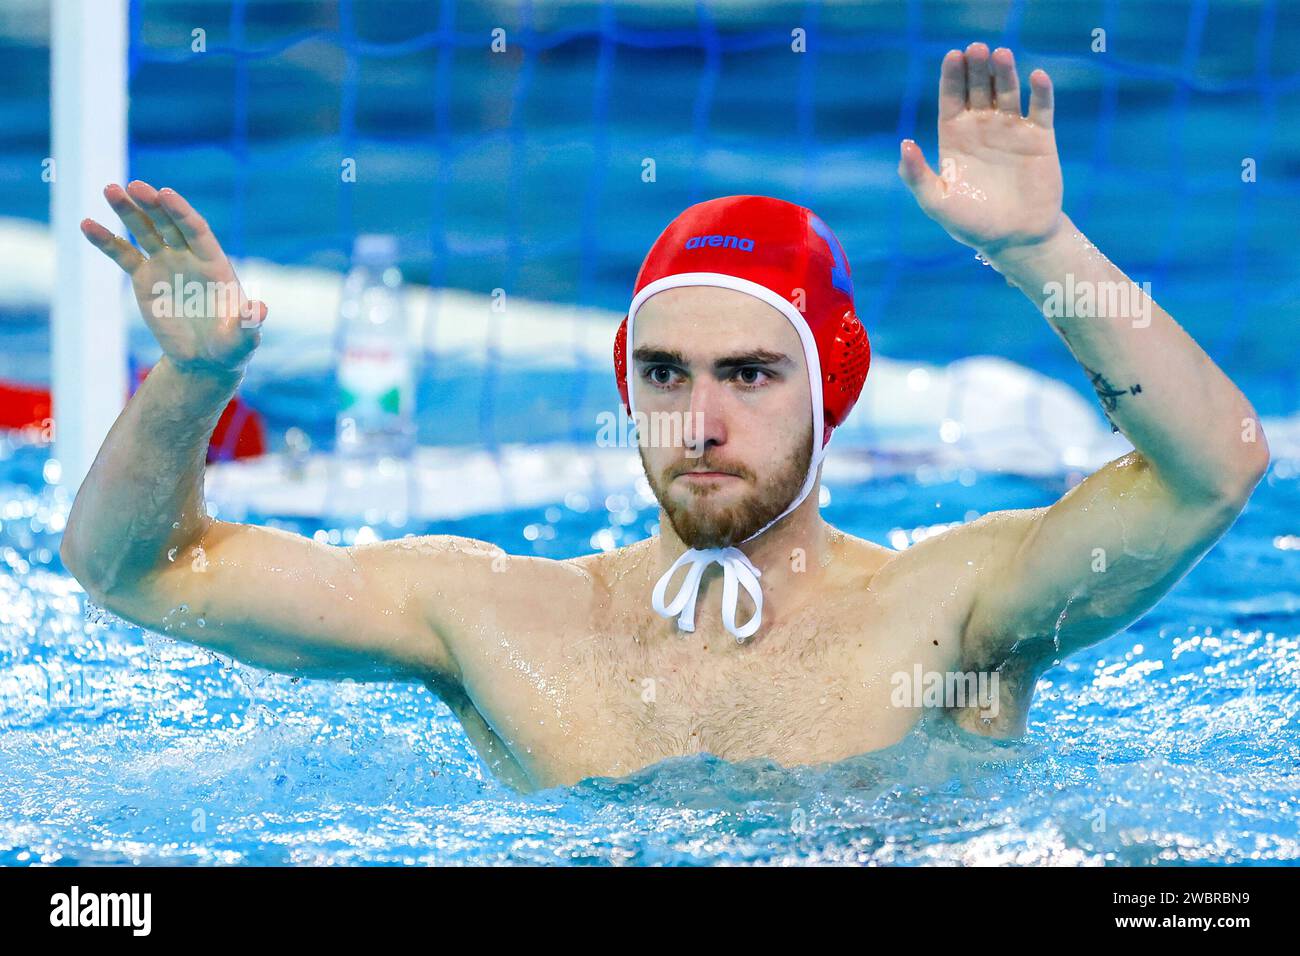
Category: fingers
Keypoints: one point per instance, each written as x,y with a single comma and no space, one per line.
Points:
979,80
1040,99
134,218
193,227
146,197
1006,85
952,85
115,247
918,175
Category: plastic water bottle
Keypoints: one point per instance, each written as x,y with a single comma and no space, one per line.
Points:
375,368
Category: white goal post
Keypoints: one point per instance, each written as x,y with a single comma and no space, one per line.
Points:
88,134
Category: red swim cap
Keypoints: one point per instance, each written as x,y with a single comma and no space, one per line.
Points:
783,254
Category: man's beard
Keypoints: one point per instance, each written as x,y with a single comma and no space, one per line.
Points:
701,525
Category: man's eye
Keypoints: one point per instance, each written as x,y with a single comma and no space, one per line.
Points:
752,377
659,375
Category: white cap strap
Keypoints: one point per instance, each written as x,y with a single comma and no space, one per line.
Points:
736,568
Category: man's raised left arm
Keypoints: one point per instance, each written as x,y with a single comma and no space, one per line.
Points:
1055,579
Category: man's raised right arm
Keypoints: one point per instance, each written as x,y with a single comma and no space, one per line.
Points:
141,543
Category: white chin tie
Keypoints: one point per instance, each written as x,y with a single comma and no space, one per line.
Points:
735,568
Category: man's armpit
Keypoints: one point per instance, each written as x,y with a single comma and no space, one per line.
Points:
1001,707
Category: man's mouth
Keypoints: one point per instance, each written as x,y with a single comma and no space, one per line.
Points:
699,475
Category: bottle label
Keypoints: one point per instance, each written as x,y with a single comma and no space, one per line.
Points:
373,377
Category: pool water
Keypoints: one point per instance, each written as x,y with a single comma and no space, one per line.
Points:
1173,742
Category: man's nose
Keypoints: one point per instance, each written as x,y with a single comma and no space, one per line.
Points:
705,425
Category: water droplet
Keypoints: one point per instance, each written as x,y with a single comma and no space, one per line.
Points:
171,554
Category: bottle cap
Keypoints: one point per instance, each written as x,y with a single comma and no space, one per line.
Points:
374,249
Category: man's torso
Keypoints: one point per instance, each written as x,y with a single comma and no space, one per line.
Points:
566,666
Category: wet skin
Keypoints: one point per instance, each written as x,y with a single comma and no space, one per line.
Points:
561,670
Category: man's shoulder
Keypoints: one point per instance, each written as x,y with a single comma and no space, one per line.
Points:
858,559
961,544
467,571
604,563
945,565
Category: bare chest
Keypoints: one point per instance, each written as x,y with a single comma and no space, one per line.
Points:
574,696
815,687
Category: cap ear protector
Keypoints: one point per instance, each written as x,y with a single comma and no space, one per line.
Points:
783,254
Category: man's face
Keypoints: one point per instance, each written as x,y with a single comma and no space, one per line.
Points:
729,370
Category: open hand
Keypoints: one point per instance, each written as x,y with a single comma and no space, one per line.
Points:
999,184
217,327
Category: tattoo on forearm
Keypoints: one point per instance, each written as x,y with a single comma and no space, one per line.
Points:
1109,394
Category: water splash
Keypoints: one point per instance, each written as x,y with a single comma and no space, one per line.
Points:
1180,750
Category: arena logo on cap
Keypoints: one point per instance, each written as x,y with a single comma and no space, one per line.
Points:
726,242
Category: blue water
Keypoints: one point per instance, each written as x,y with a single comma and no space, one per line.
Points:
1174,742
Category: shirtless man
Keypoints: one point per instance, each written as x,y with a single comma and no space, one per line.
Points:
561,670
